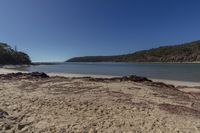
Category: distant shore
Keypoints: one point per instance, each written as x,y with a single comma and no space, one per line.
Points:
194,62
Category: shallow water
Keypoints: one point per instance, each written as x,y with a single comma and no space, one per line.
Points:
183,72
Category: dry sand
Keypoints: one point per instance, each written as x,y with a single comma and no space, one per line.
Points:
62,105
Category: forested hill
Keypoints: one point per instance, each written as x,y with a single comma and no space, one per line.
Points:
9,56
188,52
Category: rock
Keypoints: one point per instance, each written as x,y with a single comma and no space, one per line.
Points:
20,75
161,85
137,78
42,125
7,127
39,75
92,130
3,114
196,106
21,126
179,110
125,78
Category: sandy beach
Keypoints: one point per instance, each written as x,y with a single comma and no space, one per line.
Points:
81,103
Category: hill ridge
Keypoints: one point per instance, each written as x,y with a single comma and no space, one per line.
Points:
187,52
9,56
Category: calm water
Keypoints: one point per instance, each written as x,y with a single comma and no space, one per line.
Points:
184,72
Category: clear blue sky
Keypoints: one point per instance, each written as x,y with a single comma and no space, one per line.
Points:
55,30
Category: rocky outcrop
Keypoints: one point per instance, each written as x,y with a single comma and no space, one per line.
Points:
19,75
133,78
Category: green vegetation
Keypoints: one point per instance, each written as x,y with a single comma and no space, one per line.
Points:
188,52
8,56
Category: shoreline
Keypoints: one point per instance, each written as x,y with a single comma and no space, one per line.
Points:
173,82
194,62
36,102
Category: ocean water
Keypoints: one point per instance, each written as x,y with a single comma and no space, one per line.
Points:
183,72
